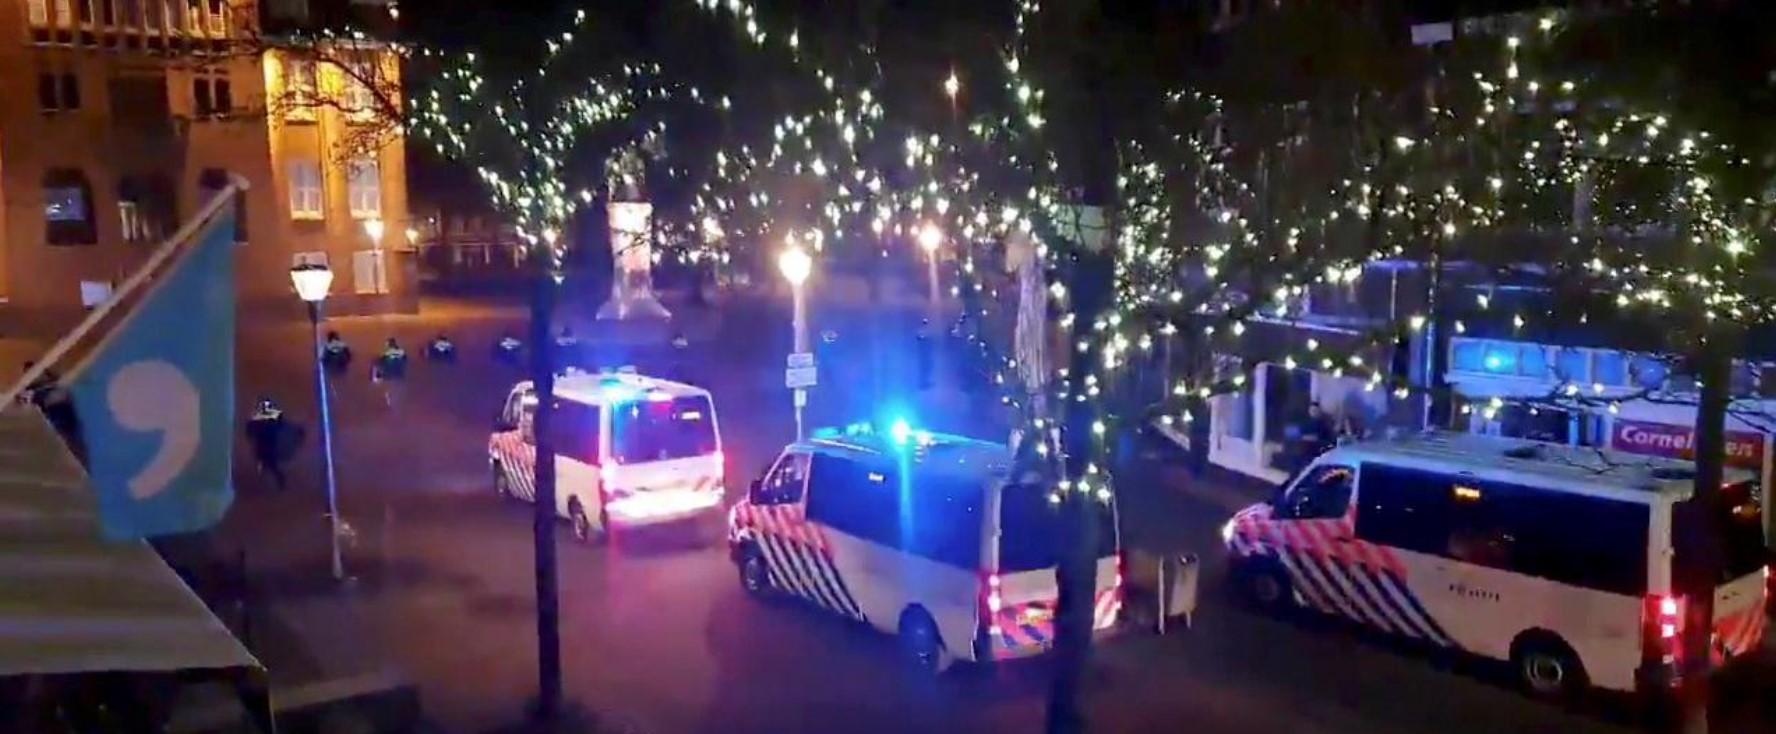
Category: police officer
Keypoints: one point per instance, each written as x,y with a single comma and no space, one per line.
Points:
266,431
508,349
567,349
441,349
336,355
390,370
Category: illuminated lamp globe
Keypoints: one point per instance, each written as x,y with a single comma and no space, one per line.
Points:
930,237
312,281
796,265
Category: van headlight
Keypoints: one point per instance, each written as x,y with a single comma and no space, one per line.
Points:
1227,529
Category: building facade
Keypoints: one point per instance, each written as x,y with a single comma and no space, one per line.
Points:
122,116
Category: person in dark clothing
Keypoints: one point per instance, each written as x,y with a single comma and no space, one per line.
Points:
1315,435
336,355
567,351
441,349
266,432
508,350
390,371
46,392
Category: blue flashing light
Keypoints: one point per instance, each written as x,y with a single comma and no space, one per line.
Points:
900,431
616,391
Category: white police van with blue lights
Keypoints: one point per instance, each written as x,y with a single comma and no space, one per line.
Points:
926,536
1559,559
630,450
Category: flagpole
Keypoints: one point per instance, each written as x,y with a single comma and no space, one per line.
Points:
135,281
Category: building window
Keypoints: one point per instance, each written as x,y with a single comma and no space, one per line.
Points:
67,208
366,189
144,207
305,190
217,18
360,100
212,96
58,92
38,12
300,89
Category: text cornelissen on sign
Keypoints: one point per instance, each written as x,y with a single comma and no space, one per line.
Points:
1744,450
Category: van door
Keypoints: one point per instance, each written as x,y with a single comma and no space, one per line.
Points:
798,553
1402,538
1315,534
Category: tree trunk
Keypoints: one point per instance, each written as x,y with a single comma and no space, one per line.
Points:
1697,563
542,366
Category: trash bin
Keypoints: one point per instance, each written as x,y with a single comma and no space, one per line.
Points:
1178,580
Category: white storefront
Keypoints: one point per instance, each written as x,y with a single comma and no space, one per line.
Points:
1654,414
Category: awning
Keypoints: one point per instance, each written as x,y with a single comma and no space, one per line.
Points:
71,602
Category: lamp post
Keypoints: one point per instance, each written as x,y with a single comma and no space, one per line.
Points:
931,237
312,282
375,228
796,266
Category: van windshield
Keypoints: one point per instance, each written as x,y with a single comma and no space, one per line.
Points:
1032,532
1740,519
662,430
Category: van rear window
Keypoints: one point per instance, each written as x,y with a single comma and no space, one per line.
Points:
1032,532
662,430
1565,537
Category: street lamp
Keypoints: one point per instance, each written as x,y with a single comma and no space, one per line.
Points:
796,266
375,228
952,86
931,237
312,282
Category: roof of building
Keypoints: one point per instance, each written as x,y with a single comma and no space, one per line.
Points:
71,602
1585,470
618,387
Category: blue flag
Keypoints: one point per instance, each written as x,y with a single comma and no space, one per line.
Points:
156,400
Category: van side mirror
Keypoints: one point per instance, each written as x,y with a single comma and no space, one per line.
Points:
752,490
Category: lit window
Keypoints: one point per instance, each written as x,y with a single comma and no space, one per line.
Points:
305,190
360,101
67,208
299,76
39,12
366,189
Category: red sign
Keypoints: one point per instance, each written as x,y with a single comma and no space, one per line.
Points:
1744,450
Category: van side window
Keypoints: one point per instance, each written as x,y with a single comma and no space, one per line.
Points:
1531,531
575,426
856,499
514,410
786,482
1563,537
1404,508
944,522
1324,493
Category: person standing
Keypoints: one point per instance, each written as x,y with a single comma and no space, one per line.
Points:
266,431
336,355
441,349
390,371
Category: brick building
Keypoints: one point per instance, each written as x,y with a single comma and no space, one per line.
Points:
119,116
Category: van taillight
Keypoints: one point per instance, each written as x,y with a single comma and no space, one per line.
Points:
990,603
1663,622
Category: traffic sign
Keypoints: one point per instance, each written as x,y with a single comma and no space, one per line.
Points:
799,377
800,360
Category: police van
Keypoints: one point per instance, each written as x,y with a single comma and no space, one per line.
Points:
921,535
1557,559
630,450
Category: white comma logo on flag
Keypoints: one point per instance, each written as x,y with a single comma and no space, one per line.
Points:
154,396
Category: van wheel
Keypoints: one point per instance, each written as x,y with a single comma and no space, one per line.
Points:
755,576
582,525
920,644
1546,667
1264,587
